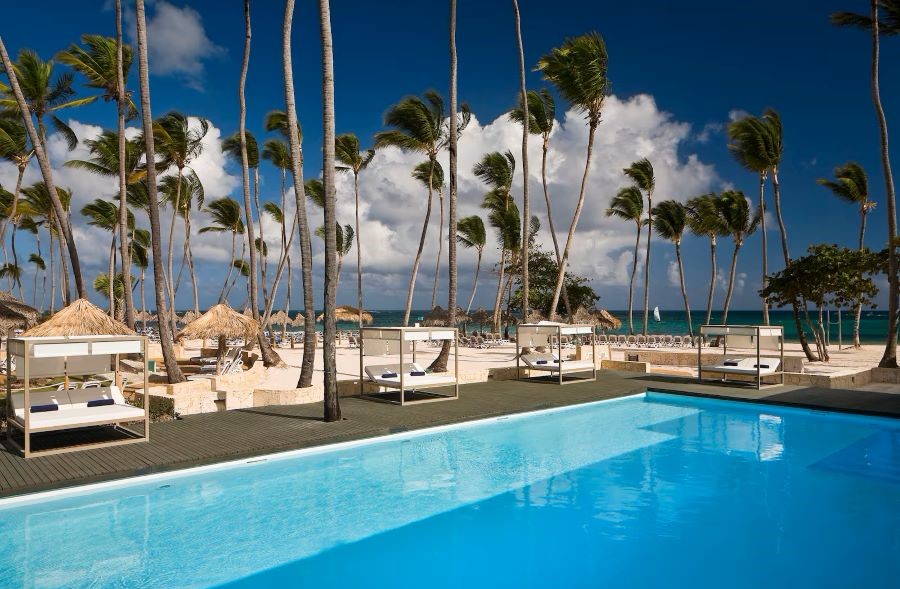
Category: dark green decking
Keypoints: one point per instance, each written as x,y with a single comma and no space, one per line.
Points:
216,437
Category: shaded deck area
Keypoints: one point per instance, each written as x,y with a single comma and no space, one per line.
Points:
216,437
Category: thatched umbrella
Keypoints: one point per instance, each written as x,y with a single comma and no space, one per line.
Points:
535,316
280,318
14,314
598,317
348,314
440,317
481,316
80,318
219,323
299,320
189,316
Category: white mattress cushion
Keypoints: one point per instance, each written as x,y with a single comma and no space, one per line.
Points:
83,415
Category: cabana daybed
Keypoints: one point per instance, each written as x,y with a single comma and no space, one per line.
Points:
534,335
754,338
410,379
36,411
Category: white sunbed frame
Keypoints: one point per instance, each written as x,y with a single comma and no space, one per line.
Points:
532,335
756,333
31,352
370,336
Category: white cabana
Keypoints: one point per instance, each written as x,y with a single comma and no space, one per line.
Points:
66,405
744,340
405,376
542,334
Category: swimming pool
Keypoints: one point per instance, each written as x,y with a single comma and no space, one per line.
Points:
648,490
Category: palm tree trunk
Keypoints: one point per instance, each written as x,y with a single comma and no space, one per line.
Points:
143,300
309,339
110,291
734,257
359,293
269,356
687,306
190,260
264,264
173,371
125,252
637,245
63,263
287,300
560,278
52,276
11,217
765,243
565,292
475,283
889,359
415,268
237,273
647,264
332,402
526,211
857,315
712,278
437,262
797,305
498,298
230,268
170,276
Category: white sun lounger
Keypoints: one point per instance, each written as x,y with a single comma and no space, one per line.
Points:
767,366
75,408
549,362
414,376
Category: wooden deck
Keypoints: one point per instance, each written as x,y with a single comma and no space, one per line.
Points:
216,437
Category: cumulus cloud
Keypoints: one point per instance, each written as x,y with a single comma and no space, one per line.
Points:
672,274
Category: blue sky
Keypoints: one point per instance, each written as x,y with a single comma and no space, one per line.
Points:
699,61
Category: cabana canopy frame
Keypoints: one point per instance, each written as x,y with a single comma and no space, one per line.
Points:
532,335
758,337
384,340
47,356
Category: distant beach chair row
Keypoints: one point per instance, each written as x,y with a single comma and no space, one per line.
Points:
652,341
488,340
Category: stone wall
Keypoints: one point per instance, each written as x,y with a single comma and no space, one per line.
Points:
708,358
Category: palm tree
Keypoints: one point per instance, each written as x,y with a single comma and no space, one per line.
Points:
39,268
105,62
628,205
705,219
41,97
178,143
526,122
105,286
578,70
852,185
226,218
471,234
14,149
347,152
425,174
105,215
292,129
13,273
37,204
419,126
883,19
669,221
188,192
497,170
734,209
138,248
344,243
641,173
166,330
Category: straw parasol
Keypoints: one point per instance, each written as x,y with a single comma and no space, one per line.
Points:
598,317
14,314
440,317
80,318
220,322
299,320
189,316
280,318
535,316
348,314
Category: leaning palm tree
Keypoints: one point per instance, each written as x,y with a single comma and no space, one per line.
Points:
425,174
105,63
187,193
37,95
471,234
578,70
351,159
14,149
852,185
166,333
226,218
38,206
526,123
292,129
418,126
628,205
705,219
739,223
669,221
883,19
497,170
641,173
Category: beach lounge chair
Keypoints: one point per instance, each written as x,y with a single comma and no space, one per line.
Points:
90,384
641,341
745,366
550,363
67,409
652,341
631,341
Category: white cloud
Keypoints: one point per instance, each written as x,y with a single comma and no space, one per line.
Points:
708,130
672,274
737,113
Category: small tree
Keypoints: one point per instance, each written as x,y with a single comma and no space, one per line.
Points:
543,272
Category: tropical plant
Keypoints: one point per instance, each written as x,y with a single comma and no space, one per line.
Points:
628,205
641,173
578,70
105,215
185,192
226,218
705,219
883,19
14,149
470,233
669,221
739,222
418,126
425,174
544,271
139,248
344,243
526,123
37,205
852,185
166,330
40,267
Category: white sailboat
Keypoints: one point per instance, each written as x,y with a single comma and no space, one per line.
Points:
656,314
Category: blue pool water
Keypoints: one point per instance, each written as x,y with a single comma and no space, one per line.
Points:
656,490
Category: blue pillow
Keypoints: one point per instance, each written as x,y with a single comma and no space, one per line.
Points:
100,402
541,362
557,361
43,408
389,375
729,363
760,365
417,373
